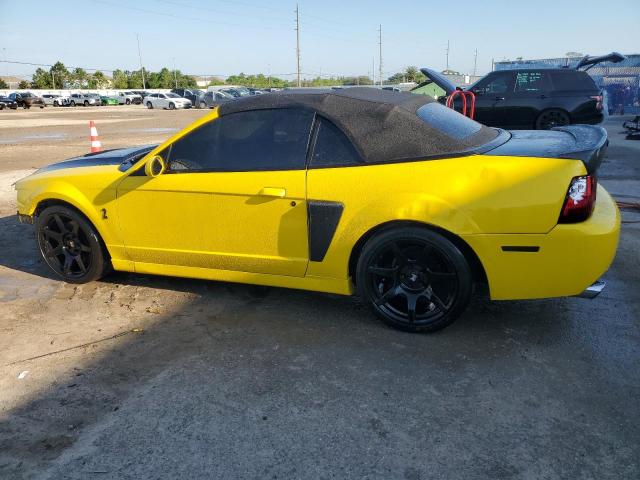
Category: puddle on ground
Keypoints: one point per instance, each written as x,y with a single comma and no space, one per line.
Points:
28,138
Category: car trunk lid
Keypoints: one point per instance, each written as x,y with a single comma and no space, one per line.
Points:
587,143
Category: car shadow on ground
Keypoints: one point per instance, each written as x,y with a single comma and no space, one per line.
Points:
254,379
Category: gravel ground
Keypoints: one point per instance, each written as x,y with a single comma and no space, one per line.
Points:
149,377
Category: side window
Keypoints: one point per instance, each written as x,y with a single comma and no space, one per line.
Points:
332,147
274,139
532,82
496,84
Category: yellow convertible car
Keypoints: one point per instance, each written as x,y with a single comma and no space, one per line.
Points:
387,194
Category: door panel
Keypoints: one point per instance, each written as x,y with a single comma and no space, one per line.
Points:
220,220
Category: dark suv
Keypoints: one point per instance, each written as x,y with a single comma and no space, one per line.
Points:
531,98
27,100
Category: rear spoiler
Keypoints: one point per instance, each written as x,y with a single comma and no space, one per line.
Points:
591,143
587,61
587,143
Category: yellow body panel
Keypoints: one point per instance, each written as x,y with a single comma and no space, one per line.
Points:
251,227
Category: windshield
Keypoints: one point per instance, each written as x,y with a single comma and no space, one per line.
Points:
172,95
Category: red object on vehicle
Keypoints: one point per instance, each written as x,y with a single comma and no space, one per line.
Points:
580,199
464,94
598,99
96,146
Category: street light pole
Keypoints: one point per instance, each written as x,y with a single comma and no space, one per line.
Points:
175,72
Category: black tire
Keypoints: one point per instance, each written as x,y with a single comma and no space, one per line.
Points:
172,106
127,101
70,245
203,104
55,104
1,106
414,279
86,103
149,105
72,103
553,117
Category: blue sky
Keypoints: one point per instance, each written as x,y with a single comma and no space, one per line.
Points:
223,37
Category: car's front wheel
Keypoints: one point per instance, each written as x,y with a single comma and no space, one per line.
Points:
70,245
172,106
203,105
149,105
128,102
73,103
414,279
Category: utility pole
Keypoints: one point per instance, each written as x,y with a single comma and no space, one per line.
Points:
475,62
373,70
175,72
144,84
380,52
298,42
53,80
447,54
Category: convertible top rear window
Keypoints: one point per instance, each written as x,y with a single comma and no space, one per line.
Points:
448,121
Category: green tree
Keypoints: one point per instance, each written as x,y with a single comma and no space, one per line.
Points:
120,79
3,84
78,78
98,80
60,75
41,79
23,85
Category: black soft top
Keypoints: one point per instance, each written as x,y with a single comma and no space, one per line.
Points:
383,125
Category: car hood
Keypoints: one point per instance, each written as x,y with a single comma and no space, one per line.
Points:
124,157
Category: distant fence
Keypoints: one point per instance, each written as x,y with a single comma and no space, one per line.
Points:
620,80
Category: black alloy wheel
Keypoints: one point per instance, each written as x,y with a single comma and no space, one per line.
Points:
414,279
552,118
70,245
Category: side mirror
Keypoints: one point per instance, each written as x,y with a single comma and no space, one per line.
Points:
154,167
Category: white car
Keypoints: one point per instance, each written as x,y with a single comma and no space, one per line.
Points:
127,98
166,100
55,100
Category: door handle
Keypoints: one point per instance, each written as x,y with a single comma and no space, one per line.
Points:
273,192
499,98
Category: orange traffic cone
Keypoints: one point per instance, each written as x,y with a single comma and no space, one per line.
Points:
96,146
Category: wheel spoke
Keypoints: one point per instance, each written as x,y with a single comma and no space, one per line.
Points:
412,302
383,271
80,263
54,252
402,258
68,260
388,295
439,275
74,227
84,248
60,223
438,302
47,232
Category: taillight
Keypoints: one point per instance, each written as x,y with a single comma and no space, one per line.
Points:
598,99
580,200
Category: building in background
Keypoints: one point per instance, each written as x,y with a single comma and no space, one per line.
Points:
620,80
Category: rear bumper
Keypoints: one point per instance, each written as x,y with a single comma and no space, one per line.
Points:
563,262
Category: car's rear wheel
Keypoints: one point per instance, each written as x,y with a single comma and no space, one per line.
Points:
172,106
70,245
414,279
203,105
552,118
86,103
73,103
149,105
